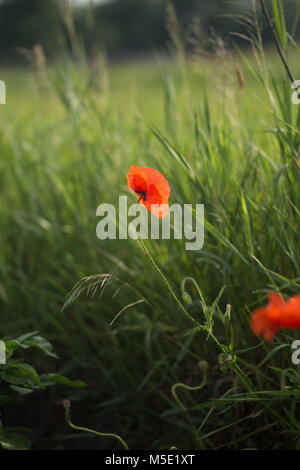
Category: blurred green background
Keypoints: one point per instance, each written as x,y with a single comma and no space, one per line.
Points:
120,27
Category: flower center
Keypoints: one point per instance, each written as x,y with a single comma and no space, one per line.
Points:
142,195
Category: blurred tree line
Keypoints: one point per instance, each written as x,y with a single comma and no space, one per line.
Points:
119,26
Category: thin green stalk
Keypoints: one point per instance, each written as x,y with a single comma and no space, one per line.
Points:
67,407
223,348
186,313
181,405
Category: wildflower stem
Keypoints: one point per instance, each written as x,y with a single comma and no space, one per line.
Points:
186,313
141,197
67,407
181,405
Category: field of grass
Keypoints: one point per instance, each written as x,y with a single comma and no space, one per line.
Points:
68,137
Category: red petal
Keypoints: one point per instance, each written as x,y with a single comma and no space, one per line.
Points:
275,299
137,179
156,202
155,177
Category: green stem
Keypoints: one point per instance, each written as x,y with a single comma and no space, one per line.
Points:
186,313
67,407
181,405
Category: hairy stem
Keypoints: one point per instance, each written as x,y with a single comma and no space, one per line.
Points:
167,283
181,405
67,407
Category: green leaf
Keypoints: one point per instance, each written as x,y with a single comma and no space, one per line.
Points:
26,336
21,390
174,153
247,224
215,303
11,345
271,354
22,373
193,330
53,379
14,441
280,22
43,344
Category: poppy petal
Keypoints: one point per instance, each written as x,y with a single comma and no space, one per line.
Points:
151,187
137,179
275,315
156,202
155,177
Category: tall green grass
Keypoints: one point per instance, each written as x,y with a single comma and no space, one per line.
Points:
69,134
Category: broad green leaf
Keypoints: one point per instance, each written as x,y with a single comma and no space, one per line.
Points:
41,343
11,345
14,441
53,379
26,336
21,390
22,373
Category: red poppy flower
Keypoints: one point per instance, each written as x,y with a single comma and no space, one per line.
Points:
151,188
277,314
